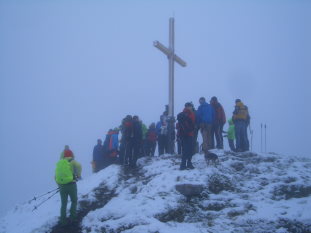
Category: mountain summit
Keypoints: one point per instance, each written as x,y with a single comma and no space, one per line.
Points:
246,192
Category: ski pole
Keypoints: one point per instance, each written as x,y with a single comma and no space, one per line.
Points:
251,133
36,207
261,137
265,138
35,198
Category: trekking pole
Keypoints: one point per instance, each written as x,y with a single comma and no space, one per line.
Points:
261,137
36,207
251,133
265,138
35,198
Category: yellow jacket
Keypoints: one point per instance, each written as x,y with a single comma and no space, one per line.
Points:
240,112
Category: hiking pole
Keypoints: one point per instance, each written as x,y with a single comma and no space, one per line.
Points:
261,137
36,207
35,198
265,138
251,133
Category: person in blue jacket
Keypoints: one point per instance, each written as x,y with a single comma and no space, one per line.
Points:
162,135
111,146
98,156
205,118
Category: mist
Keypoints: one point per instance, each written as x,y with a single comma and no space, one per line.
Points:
71,70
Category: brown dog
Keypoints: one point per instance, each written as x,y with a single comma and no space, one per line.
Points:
211,157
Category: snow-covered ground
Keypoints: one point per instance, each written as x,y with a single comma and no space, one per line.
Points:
247,192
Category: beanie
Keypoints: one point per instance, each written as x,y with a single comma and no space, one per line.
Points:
68,153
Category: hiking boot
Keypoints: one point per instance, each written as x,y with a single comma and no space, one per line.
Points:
190,166
73,220
62,222
182,168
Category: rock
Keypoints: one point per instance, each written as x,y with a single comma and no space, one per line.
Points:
189,190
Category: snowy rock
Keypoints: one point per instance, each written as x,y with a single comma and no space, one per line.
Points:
189,190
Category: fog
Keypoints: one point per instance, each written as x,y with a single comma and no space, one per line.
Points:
71,70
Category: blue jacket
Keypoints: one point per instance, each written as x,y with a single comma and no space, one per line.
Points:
161,129
205,114
98,153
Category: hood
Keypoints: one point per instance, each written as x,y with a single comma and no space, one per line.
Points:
239,104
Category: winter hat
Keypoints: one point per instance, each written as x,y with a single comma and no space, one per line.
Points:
237,101
68,153
188,104
214,98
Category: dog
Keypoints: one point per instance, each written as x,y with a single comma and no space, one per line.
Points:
211,157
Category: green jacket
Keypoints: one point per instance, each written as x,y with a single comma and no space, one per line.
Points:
231,130
77,168
144,130
61,174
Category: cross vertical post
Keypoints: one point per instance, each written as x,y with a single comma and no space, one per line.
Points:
171,68
172,58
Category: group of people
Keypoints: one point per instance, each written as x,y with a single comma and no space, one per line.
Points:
210,119
106,153
137,140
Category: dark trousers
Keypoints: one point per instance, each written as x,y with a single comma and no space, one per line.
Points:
187,151
122,153
163,144
178,146
129,147
150,148
231,144
137,145
70,190
241,135
206,131
99,165
217,134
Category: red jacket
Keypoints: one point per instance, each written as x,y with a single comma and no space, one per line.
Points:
220,116
191,115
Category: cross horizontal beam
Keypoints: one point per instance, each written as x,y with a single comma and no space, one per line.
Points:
168,53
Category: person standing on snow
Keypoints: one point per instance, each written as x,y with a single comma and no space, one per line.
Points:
241,120
98,156
151,140
67,173
206,117
186,124
63,152
137,141
111,146
231,135
218,124
162,135
127,139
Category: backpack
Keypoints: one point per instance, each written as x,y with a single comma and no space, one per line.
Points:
63,172
185,124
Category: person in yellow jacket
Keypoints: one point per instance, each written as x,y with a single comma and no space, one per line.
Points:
68,172
241,121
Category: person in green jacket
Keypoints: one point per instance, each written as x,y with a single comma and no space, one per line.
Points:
68,172
231,135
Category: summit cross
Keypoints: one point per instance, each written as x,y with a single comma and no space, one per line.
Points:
172,58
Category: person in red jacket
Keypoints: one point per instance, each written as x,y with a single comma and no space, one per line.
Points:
186,123
218,124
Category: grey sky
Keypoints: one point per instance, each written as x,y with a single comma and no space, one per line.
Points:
70,70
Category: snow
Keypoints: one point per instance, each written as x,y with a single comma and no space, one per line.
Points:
145,200
23,219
